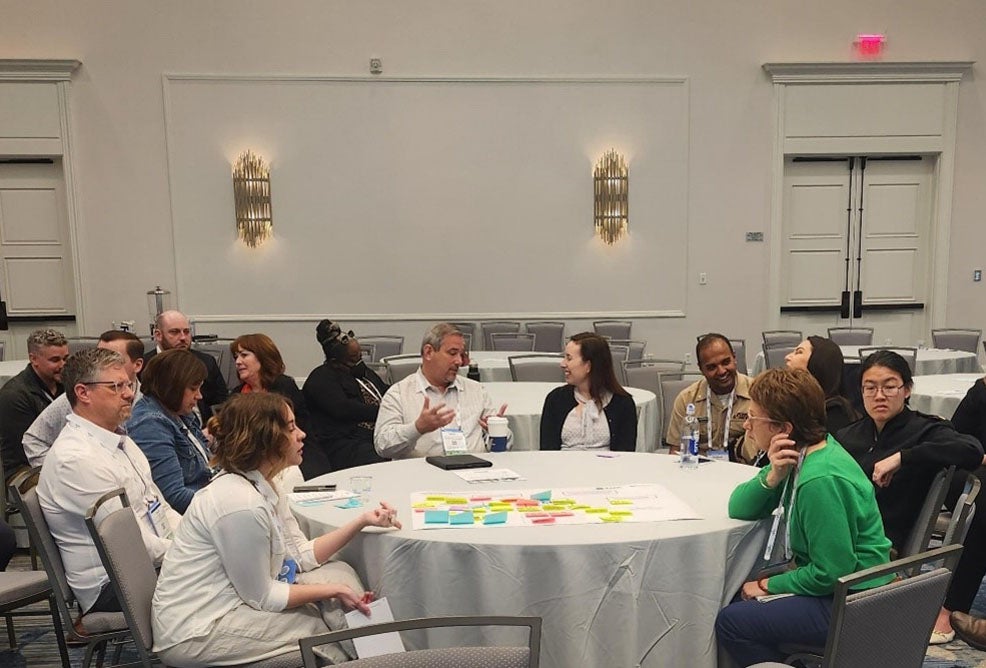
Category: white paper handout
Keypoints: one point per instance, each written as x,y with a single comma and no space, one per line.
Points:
311,498
488,475
382,643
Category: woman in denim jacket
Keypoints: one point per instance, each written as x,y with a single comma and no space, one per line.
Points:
165,427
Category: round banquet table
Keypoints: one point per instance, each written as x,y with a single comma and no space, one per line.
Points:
10,368
493,364
525,401
930,361
614,595
941,394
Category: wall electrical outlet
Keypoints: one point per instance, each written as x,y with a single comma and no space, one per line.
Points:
703,278
376,65
977,275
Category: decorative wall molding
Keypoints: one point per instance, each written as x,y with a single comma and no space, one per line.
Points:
430,317
37,70
868,72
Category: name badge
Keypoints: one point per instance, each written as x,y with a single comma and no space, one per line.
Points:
289,571
159,520
453,441
718,455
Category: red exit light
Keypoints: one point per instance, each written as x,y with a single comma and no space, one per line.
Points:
870,45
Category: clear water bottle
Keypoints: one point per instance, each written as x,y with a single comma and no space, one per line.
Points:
689,439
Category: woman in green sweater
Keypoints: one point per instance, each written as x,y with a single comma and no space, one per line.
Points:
833,528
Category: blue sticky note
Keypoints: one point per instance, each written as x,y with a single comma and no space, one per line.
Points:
542,496
462,518
436,517
495,518
351,502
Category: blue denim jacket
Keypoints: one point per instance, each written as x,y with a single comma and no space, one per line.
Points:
177,466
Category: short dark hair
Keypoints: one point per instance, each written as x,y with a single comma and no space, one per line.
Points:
135,347
595,350
707,340
889,360
84,367
263,347
168,374
792,396
248,430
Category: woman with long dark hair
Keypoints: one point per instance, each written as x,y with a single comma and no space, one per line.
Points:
823,359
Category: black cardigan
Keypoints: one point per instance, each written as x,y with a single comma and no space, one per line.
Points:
970,416
621,414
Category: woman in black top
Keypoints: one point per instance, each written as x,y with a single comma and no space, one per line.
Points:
343,396
822,358
592,411
260,368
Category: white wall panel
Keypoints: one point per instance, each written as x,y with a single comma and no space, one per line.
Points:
29,110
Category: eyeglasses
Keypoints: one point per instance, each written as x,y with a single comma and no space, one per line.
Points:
116,386
888,390
754,417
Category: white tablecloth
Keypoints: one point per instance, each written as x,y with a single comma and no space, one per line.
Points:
611,596
525,401
930,361
493,364
9,369
941,394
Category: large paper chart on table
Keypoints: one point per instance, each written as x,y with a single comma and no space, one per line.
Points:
547,507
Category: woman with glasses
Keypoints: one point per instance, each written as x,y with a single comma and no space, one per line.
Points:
165,427
902,450
822,358
832,528
343,395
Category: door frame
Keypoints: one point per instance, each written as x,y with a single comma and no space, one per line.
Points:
940,144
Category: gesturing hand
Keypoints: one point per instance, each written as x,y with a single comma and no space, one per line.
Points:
431,419
384,516
485,419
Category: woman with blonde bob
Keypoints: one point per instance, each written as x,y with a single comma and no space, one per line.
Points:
240,582
833,523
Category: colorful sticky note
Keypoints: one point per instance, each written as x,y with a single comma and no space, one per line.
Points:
553,506
621,502
462,518
426,504
621,513
542,496
529,509
611,518
563,513
495,518
436,497
543,520
480,498
436,517
581,506
527,502
564,502
352,502
594,511
456,500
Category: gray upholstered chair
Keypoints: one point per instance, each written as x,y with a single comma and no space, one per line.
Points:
672,384
773,355
924,524
400,367
383,346
888,625
133,576
101,627
497,327
465,327
957,339
219,350
77,343
773,337
613,329
620,354
910,355
952,526
851,336
635,349
512,341
646,375
19,589
550,336
460,657
536,367
739,350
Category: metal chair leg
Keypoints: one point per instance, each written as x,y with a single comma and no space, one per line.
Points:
11,636
59,631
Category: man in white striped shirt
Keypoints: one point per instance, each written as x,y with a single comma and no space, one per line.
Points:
422,413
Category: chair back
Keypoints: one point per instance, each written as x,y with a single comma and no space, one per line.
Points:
400,367
635,349
791,337
497,327
537,368
550,336
888,625
461,657
960,519
924,524
512,341
367,353
614,329
910,355
219,350
465,327
851,336
957,339
620,355
77,343
383,346
672,384
739,349
130,569
646,374
773,355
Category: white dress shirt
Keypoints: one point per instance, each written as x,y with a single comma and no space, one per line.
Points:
228,551
84,463
396,437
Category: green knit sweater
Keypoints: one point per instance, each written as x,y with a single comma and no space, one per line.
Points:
836,527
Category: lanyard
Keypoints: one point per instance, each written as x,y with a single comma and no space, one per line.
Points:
198,444
792,485
370,387
725,423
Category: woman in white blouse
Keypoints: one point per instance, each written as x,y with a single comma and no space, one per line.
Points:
233,587
592,411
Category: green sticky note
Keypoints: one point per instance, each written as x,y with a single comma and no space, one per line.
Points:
462,518
495,518
436,517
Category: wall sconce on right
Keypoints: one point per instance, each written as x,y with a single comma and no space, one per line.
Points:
611,179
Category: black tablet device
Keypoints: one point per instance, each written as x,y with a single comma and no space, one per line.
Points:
453,462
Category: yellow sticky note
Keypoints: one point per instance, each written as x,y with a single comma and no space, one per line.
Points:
621,513
611,518
456,500
425,504
596,510
621,502
553,506
434,498
564,502
580,506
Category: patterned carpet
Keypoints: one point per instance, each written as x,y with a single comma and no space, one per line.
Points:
37,647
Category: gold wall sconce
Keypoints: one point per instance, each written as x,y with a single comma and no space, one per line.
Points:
251,199
611,179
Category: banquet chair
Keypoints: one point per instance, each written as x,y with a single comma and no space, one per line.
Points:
773,355
2,347
400,367
461,657
614,329
550,336
924,524
910,355
646,374
497,327
537,367
77,343
952,526
672,384
133,577
635,349
512,341
225,360
367,352
101,627
620,355
889,625
383,346
851,336
773,337
465,327
957,339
